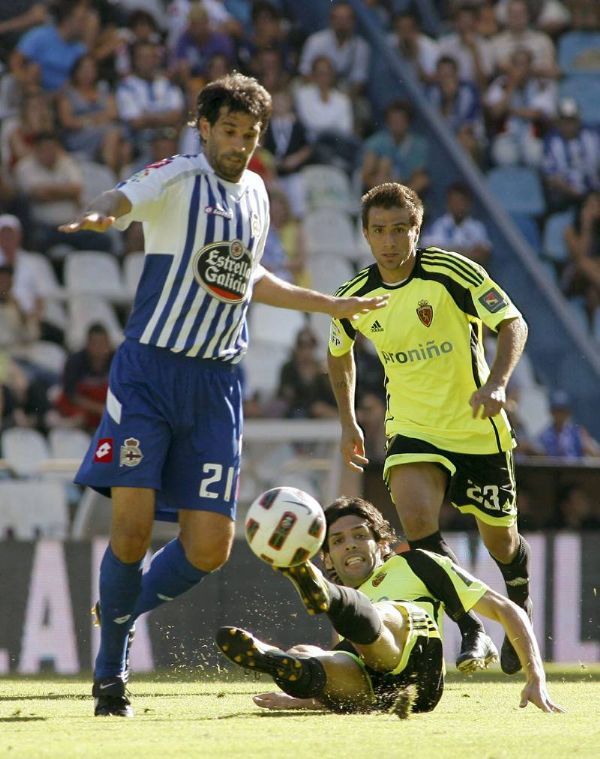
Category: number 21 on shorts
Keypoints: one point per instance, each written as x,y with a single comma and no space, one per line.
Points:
211,484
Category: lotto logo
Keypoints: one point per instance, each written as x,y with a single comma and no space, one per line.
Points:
104,451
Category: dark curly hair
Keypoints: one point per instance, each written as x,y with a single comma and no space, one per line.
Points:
380,527
235,92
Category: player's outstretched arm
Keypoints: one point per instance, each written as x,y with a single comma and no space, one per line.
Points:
101,213
490,399
517,626
275,292
279,700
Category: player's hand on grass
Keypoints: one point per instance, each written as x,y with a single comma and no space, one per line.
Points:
352,447
488,401
92,220
351,308
280,700
536,693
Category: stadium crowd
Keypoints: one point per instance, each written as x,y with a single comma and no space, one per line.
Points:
93,91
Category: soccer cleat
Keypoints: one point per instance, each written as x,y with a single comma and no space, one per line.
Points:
509,661
97,621
110,699
311,585
476,652
243,649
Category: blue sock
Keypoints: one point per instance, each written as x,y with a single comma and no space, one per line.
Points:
170,574
120,586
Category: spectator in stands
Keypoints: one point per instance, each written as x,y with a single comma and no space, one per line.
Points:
457,230
415,47
35,116
581,276
347,50
14,88
303,381
460,106
468,48
26,285
267,32
321,106
141,27
576,509
56,46
518,34
564,438
85,382
520,107
221,18
585,15
269,69
87,112
52,182
147,100
197,45
286,232
17,328
571,158
287,141
396,153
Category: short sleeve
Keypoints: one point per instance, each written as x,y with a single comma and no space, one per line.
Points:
492,304
144,189
341,337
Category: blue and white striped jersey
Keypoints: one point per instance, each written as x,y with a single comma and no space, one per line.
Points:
204,238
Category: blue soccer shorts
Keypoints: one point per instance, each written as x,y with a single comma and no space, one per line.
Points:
173,424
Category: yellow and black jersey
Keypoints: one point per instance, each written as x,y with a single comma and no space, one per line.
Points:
429,340
428,580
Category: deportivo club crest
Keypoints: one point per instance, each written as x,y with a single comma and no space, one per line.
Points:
425,312
131,454
378,579
224,269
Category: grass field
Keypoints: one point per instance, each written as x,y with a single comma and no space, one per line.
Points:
182,717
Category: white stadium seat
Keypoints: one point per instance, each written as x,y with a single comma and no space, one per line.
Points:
97,178
328,187
96,273
68,443
45,276
33,509
330,232
24,450
85,310
262,365
133,265
274,325
49,355
328,272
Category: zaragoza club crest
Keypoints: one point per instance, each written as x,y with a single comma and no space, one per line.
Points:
425,312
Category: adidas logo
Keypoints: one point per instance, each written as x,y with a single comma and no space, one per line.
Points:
376,327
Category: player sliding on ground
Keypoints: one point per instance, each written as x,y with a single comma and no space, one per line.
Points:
388,613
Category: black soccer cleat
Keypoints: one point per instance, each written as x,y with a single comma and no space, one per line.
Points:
509,661
477,651
97,621
243,649
110,698
311,585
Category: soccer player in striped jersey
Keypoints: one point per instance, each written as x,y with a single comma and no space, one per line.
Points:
446,427
168,445
388,609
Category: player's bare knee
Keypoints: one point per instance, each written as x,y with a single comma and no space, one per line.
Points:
208,558
129,546
502,544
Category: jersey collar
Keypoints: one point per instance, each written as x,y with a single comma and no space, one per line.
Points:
237,189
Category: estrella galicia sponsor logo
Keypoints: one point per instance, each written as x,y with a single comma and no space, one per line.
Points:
492,300
224,269
423,352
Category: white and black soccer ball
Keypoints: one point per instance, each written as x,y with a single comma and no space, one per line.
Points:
285,526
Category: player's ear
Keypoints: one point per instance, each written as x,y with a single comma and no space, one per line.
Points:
203,128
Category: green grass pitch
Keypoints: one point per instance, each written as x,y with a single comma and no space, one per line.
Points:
180,716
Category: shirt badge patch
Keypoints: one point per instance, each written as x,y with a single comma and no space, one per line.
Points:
378,579
492,300
425,313
334,335
104,451
131,454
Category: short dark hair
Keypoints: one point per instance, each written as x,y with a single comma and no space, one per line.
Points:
461,188
62,9
399,105
392,195
447,60
235,92
96,328
355,506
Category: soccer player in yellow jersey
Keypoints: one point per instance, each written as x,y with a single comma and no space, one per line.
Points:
388,613
446,427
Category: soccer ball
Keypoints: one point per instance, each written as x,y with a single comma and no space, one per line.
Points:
285,526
